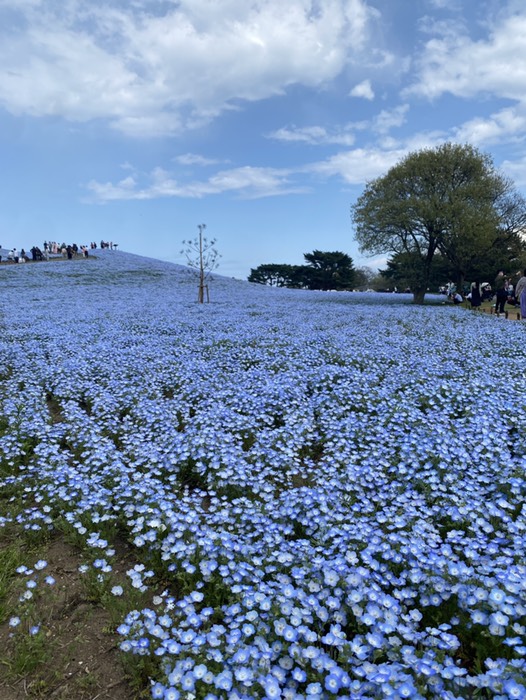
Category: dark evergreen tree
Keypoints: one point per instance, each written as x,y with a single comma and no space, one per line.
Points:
329,270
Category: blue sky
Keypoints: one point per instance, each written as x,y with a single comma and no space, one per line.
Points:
136,120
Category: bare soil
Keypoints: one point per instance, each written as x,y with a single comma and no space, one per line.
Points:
85,662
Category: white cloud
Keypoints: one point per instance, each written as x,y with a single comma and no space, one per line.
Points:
359,165
516,170
154,68
506,125
464,67
389,119
382,123
246,182
194,159
444,4
354,166
313,135
363,89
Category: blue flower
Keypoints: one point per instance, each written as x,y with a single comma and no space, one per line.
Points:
332,683
313,689
271,687
171,694
223,681
514,689
188,681
157,690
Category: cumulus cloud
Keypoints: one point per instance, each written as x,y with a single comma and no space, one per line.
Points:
505,125
158,67
358,165
465,67
363,89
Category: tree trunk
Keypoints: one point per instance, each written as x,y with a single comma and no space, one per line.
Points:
418,296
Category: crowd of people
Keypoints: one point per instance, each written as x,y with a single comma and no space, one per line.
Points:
504,290
53,249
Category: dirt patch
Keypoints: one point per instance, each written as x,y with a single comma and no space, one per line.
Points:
80,658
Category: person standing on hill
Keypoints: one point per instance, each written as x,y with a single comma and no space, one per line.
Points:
520,294
500,288
475,295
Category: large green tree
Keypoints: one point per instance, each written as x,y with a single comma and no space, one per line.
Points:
329,270
448,200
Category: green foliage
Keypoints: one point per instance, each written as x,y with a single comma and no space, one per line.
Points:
324,270
277,275
329,270
10,558
449,200
190,476
138,671
27,651
403,271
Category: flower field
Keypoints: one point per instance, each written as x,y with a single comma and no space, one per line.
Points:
323,494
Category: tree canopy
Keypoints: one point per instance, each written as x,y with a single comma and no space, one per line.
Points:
329,270
324,271
276,275
448,201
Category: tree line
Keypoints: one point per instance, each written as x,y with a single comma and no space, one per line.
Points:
442,214
322,271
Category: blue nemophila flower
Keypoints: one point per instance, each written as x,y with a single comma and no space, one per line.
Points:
306,490
332,683
223,681
514,689
271,687
313,689
157,690
200,671
188,682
